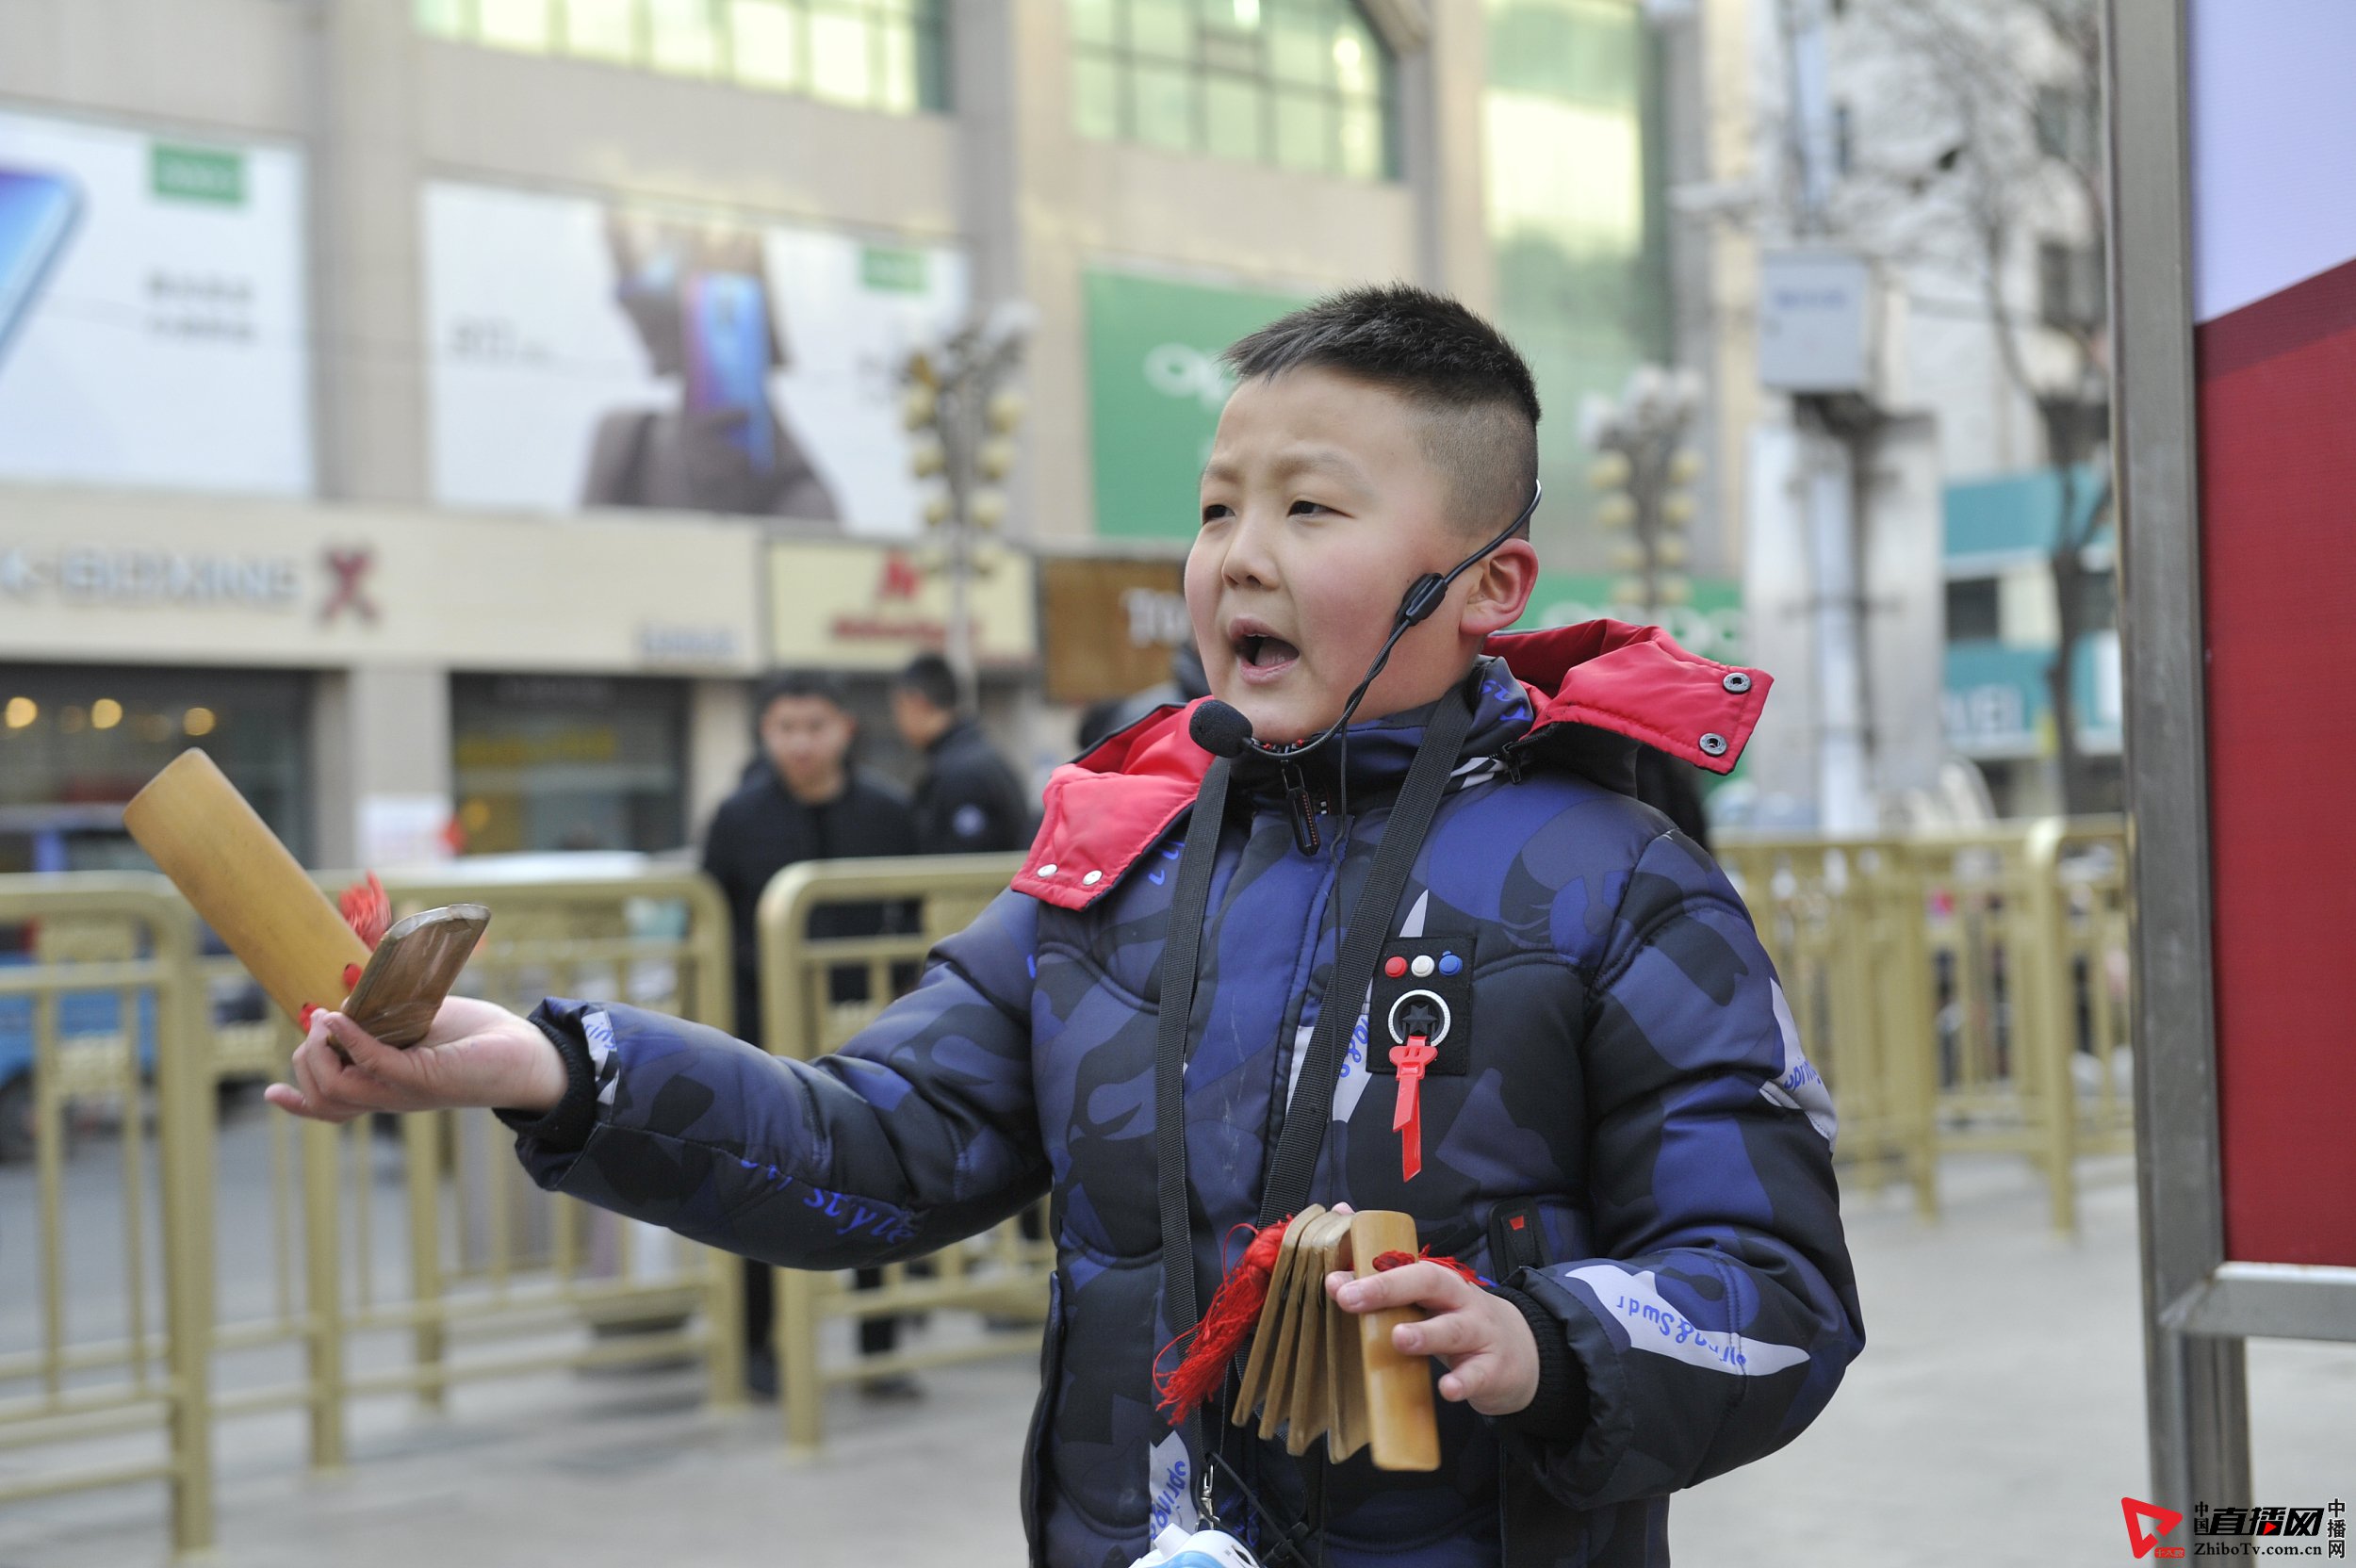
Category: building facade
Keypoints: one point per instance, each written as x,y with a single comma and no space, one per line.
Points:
444,409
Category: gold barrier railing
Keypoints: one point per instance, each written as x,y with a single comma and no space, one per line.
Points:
1003,1274
112,977
1959,991
348,1264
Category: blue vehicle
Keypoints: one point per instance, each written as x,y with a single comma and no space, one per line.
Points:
81,1015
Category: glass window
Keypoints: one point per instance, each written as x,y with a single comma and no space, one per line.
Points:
1971,609
76,742
441,18
601,29
1231,117
763,44
683,36
884,55
1163,106
547,762
841,66
1305,84
513,23
1096,96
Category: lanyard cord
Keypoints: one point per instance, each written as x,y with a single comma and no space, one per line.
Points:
1302,1129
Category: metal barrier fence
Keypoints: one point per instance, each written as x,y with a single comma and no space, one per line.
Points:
368,1267
816,993
112,986
1957,991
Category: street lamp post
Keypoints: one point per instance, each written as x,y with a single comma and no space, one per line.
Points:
1646,469
958,402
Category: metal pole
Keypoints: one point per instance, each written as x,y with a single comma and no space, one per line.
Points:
2197,1395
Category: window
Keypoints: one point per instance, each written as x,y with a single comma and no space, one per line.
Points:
1972,614
2067,125
884,55
545,762
2070,287
1302,84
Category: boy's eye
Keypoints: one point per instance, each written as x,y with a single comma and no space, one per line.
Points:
1303,507
1214,511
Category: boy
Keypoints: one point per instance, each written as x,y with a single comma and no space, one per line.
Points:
1608,1104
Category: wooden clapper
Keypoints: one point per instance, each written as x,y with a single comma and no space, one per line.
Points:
1316,1370
243,883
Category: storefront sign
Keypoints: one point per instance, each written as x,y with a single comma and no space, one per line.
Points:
1155,388
587,354
1108,627
152,320
86,576
860,607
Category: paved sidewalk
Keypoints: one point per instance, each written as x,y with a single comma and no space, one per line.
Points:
1997,1416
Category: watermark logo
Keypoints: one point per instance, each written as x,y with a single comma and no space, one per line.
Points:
2162,1520
2239,1531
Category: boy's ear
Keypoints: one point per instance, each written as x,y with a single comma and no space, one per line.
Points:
1502,586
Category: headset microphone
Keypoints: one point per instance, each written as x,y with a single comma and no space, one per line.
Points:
1222,729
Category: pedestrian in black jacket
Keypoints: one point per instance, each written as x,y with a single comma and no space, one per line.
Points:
806,802
969,800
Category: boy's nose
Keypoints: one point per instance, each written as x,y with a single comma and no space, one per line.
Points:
1249,563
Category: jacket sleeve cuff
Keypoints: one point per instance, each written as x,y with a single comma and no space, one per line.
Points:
1557,1414
564,1129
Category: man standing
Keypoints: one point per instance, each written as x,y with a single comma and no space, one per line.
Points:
809,803
969,801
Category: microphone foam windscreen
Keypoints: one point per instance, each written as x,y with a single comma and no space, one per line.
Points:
1219,729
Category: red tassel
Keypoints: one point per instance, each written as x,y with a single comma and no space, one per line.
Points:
1384,1262
1234,1308
367,910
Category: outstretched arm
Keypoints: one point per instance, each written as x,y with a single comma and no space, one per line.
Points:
922,1130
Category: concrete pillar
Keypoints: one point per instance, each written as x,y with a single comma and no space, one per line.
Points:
367,277
719,743
1442,89
380,764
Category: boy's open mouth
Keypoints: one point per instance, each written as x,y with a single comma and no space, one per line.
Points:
1260,651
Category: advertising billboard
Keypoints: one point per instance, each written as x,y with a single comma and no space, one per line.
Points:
152,320
591,354
2274,303
1155,388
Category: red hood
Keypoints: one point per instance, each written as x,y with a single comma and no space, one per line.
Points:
1115,803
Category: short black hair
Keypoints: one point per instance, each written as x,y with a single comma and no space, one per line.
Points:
930,677
1480,404
798,684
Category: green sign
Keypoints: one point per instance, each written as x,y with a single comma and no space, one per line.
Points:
1156,387
196,174
891,270
1709,623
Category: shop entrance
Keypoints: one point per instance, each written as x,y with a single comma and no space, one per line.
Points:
78,741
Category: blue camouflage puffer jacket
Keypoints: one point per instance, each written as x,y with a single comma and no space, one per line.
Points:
1620,1121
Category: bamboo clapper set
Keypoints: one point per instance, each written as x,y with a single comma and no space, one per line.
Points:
1317,1371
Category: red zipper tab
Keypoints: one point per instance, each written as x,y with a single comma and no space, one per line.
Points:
1407,1113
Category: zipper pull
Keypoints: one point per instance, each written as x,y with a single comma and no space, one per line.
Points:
1302,809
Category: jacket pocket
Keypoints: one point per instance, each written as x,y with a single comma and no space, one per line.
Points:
1034,1460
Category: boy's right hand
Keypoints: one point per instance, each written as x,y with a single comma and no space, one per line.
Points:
476,1053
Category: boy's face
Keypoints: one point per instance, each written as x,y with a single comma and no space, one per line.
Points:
1319,508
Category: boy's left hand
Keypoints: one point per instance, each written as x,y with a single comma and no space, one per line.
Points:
1484,1339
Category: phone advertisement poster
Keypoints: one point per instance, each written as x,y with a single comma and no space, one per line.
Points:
586,353
152,310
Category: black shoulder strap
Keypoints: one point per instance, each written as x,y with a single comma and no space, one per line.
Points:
1189,902
1303,1127
1312,1102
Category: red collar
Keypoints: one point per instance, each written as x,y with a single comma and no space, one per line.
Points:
1115,803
